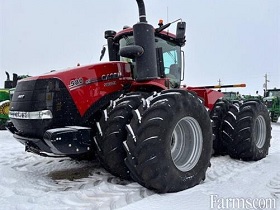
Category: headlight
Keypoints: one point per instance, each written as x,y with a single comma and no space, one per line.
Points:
38,115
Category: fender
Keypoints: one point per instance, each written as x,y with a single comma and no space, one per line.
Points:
152,85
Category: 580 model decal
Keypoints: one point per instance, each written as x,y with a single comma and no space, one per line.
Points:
78,82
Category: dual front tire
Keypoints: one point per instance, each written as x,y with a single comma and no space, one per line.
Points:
162,141
169,150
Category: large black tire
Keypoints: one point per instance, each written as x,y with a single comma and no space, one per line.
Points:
274,117
252,132
110,142
170,147
228,126
217,114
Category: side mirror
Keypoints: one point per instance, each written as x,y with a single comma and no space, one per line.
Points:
102,53
131,51
181,31
15,80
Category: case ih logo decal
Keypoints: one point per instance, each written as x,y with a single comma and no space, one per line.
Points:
110,76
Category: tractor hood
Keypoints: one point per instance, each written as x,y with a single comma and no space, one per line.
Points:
65,97
270,98
81,82
79,76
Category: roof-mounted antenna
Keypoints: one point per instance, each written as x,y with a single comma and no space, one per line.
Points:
167,13
167,16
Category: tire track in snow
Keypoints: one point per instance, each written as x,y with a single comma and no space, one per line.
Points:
274,186
94,188
75,184
98,189
91,186
225,170
224,167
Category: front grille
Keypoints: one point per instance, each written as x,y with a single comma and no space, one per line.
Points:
269,104
38,95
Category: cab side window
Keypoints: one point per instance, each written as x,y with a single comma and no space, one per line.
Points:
172,67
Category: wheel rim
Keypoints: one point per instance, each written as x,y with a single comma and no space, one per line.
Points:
260,131
6,110
186,144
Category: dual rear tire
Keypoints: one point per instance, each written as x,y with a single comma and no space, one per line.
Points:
252,132
243,132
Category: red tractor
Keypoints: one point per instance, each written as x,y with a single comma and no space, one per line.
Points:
133,114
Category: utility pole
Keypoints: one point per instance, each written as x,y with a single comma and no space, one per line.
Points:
265,82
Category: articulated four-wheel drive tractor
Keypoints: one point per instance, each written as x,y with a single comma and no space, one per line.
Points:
133,114
5,95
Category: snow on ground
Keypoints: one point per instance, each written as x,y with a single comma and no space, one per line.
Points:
28,181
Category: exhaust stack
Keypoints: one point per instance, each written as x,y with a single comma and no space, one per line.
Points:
144,48
142,11
144,36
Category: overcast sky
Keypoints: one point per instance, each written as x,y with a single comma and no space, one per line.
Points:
237,41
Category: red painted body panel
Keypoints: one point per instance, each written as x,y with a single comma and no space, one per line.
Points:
130,30
210,96
156,83
90,83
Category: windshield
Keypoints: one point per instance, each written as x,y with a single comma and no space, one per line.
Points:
230,95
171,57
274,93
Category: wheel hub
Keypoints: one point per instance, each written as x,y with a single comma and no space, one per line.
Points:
260,131
186,144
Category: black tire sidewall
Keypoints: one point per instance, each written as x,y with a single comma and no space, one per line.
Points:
260,110
205,153
245,139
178,180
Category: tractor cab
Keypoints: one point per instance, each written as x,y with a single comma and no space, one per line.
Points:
169,57
272,102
